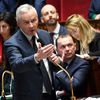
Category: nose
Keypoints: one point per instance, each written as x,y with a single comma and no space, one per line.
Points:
50,15
67,48
30,24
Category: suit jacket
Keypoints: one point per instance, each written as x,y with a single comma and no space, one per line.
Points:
94,9
78,69
62,30
28,79
94,46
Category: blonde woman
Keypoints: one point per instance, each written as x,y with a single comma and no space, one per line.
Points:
88,37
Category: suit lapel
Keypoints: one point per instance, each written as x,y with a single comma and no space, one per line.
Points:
23,41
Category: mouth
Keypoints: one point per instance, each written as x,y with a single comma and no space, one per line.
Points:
67,54
32,30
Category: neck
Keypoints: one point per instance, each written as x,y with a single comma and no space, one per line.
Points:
51,28
6,37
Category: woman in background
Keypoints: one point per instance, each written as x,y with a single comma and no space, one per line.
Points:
88,37
89,48
7,29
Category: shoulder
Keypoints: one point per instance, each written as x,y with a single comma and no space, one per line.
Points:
13,38
44,36
63,30
42,32
96,37
80,60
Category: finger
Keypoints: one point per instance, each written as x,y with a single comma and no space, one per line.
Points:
48,47
39,45
63,54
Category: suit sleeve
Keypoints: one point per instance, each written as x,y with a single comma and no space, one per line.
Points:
79,75
19,63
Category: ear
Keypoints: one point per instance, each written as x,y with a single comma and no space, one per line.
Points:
42,20
57,16
18,24
76,47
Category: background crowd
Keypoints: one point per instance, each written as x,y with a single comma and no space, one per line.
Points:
34,55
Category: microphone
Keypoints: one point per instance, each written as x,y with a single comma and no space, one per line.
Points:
70,79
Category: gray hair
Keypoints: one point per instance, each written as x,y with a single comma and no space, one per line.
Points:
23,9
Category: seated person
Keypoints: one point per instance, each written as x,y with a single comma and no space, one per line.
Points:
50,17
77,68
7,29
94,10
87,36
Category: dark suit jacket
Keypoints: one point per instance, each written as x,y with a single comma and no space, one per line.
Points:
62,30
94,9
78,69
94,46
27,75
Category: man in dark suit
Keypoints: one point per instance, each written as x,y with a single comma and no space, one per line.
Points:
76,67
50,17
27,57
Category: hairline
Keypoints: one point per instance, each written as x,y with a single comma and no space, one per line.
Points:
24,9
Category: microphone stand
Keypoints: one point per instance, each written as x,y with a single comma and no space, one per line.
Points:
71,86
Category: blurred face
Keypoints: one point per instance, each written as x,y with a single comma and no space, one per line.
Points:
66,48
28,22
49,15
75,33
4,29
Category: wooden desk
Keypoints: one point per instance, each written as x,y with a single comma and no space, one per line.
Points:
94,79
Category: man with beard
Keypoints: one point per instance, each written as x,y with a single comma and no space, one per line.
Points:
49,16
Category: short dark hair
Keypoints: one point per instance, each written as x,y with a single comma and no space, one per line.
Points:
65,35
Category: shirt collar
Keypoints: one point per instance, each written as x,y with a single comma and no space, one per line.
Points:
29,37
56,31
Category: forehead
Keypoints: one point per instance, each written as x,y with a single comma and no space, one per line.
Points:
3,23
28,15
48,8
65,40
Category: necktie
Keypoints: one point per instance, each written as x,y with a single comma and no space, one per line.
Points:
65,65
46,79
34,44
52,35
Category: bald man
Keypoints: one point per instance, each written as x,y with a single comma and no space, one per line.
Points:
50,17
